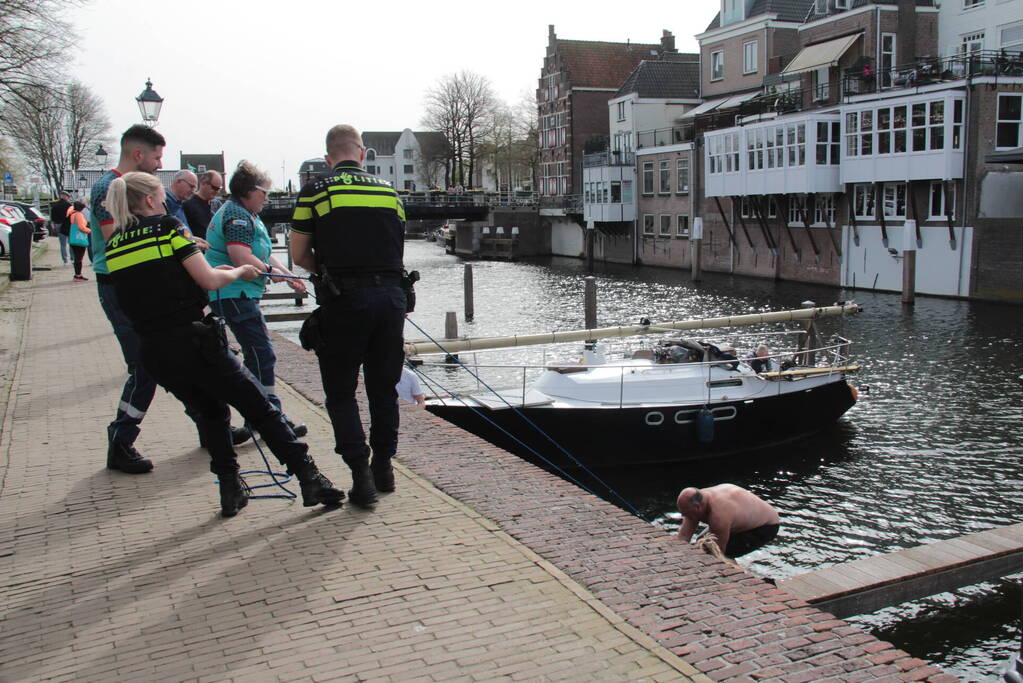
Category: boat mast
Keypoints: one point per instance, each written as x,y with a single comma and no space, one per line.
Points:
484,343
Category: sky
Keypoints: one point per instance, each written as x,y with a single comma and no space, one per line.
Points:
265,81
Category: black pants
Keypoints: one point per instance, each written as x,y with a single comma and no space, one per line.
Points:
77,253
204,375
747,541
363,326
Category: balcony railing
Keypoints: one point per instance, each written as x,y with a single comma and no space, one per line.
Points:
609,158
867,79
570,203
665,136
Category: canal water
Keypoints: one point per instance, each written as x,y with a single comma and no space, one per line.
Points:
933,451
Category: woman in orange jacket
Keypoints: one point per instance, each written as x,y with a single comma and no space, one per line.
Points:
79,237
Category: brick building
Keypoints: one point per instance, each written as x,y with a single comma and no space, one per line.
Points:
576,81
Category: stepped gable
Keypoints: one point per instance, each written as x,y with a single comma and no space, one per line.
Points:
656,79
594,64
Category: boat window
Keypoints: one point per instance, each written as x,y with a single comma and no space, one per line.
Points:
715,383
684,417
724,413
654,418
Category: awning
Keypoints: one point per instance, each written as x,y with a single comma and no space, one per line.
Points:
820,55
733,102
707,106
723,103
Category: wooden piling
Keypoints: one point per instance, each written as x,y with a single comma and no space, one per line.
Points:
696,245
590,302
467,285
450,325
909,263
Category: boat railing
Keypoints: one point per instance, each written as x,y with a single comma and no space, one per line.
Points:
835,356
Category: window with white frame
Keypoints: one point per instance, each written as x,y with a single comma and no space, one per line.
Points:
821,84
616,192
1007,128
824,209
408,169
664,185
841,4
626,192
749,57
863,201
796,210
682,226
893,200
928,125
586,193
665,227
621,111
406,154
940,205
888,56
648,177
1011,37
972,42
648,224
682,175
717,65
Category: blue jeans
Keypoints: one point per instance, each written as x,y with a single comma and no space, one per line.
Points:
249,328
63,243
139,388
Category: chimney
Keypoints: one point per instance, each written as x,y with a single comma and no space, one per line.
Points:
667,41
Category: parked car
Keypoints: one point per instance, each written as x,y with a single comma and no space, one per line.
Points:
10,215
33,215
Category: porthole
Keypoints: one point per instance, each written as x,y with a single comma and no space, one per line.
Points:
654,418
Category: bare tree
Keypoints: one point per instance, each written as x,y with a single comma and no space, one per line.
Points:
35,40
461,107
54,128
87,122
510,144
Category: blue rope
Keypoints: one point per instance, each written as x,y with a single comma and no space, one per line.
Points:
285,478
535,426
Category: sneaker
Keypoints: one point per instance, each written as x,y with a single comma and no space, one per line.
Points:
124,457
79,278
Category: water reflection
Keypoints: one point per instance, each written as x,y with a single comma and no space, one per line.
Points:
932,452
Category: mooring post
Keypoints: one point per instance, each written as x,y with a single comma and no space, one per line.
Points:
450,325
696,244
808,338
590,302
467,283
909,263
590,232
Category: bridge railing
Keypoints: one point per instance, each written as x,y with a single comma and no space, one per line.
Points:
437,199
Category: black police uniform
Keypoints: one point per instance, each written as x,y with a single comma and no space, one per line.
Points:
357,225
187,353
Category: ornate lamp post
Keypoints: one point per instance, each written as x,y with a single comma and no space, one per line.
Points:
101,157
149,104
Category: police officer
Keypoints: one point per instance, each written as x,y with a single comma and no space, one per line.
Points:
348,226
160,277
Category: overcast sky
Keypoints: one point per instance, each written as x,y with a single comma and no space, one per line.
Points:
266,81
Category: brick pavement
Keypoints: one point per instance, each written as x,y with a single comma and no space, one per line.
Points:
479,567
116,577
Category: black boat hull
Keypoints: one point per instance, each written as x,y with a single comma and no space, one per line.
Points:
613,436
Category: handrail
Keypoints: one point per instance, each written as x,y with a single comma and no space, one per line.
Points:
866,78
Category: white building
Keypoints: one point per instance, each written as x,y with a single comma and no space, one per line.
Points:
407,159
972,25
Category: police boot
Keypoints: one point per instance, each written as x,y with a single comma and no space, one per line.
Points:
364,492
316,488
383,473
234,494
124,457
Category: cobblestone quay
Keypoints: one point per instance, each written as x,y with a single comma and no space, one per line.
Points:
479,567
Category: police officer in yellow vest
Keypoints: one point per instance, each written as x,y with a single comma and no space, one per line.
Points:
348,227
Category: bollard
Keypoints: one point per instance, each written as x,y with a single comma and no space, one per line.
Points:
696,245
909,263
451,332
467,285
590,302
21,251
589,245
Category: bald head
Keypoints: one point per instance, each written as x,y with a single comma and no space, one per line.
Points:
689,500
344,142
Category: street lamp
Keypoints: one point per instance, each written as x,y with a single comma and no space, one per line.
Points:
101,157
149,104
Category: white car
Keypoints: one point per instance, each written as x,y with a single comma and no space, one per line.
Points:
10,215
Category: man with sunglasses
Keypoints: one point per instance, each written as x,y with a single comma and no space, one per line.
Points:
199,208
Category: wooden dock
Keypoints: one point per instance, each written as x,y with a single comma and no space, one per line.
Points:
872,583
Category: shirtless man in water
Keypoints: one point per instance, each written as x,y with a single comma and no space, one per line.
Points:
741,521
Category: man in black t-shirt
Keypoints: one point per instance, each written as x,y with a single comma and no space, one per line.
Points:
58,217
198,209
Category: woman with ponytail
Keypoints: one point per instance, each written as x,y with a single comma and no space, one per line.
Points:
161,280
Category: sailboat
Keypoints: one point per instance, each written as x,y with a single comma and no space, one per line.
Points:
673,398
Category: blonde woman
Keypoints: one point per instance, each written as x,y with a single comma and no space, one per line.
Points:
161,280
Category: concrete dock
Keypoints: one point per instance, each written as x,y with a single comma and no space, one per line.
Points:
479,567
